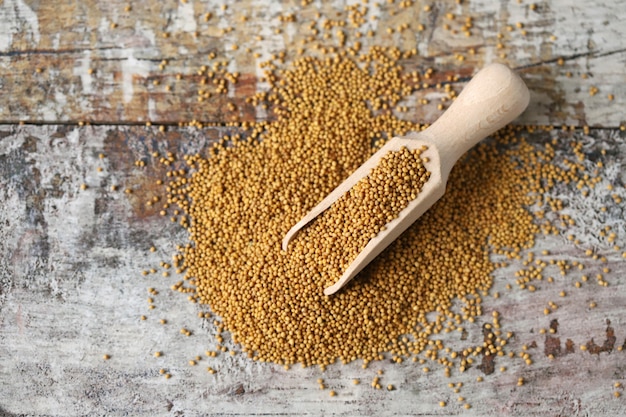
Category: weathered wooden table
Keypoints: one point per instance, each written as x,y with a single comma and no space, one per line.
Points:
80,79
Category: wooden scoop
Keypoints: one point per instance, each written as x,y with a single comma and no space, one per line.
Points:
493,98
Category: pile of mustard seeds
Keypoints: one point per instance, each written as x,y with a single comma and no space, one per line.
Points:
245,194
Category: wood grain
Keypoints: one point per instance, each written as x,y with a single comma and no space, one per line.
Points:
65,42
71,290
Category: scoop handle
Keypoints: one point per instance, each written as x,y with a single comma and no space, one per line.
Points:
494,97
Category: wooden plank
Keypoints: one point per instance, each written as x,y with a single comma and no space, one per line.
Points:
71,290
66,41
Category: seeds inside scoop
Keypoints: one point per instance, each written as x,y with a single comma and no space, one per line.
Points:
342,231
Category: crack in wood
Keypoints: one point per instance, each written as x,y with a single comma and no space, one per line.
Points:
589,54
28,52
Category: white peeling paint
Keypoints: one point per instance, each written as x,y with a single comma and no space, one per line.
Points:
55,39
232,67
60,99
11,143
104,26
132,67
48,110
81,70
21,19
272,42
53,106
73,137
146,32
184,20
372,10
151,109
291,30
108,84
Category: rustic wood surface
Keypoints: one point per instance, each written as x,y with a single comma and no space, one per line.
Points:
65,41
71,291
71,288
